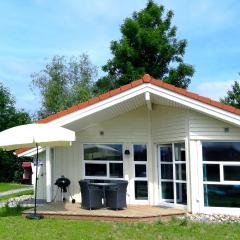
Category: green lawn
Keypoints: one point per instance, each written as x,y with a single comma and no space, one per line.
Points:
6,197
17,227
10,186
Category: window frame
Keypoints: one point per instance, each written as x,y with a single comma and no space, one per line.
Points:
106,162
144,179
174,181
221,164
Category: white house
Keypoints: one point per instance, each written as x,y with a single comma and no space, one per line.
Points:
174,147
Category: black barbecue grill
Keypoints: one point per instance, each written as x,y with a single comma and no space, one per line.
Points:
63,184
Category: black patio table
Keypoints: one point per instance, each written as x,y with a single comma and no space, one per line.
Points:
103,185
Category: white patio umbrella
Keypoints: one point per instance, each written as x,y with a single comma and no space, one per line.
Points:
35,135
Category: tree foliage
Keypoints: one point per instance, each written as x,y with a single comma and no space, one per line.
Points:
10,168
64,82
148,45
233,95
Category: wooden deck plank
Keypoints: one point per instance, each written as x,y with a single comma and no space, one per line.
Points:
132,213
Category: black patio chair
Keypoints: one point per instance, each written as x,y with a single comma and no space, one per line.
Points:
116,195
91,196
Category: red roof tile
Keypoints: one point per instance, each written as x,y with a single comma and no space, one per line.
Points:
21,150
145,79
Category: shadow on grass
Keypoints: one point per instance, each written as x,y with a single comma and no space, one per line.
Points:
7,211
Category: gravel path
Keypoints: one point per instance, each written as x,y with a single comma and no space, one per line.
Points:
15,191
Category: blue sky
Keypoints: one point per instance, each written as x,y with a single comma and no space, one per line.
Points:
32,31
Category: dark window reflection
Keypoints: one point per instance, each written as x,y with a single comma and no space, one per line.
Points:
180,171
221,195
103,152
116,170
167,190
166,153
141,190
166,171
211,172
221,151
99,170
140,152
140,170
231,173
179,152
181,189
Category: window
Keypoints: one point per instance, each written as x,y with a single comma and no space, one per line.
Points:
221,174
103,160
211,172
140,170
173,173
141,190
96,152
92,169
231,173
140,152
140,166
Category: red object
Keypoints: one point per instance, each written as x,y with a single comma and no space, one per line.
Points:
26,165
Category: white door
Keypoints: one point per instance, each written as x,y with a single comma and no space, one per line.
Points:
172,174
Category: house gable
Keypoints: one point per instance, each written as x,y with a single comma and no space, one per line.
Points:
155,89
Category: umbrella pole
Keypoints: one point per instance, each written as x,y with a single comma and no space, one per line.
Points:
35,215
36,180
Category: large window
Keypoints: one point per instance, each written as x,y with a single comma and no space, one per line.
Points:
103,160
173,173
140,166
221,174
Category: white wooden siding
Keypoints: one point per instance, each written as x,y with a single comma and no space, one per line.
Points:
204,127
168,124
130,127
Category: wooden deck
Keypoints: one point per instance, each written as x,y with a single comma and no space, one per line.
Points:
132,213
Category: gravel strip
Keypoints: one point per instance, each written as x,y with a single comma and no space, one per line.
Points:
211,218
24,200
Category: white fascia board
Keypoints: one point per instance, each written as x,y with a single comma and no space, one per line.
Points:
111,101
31,152
142,89
194,104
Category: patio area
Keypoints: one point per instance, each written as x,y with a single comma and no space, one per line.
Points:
132,213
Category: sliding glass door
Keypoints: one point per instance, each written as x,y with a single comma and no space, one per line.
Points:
172,173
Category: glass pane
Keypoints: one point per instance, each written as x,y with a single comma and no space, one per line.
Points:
140,170
166,171
180,171
211,172
103,152
140,152
166,153
179,152
221,195
116,170
167,190
181,189
99,170
231,173
221,151
141,190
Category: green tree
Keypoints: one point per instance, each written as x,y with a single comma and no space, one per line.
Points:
148,45
233,95
64,82
9,117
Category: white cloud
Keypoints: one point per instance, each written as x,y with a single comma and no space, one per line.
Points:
214,90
